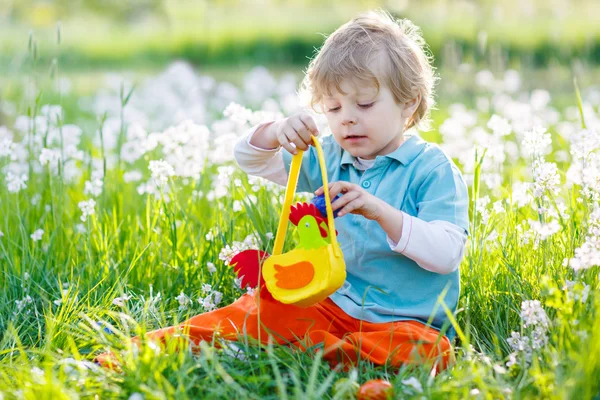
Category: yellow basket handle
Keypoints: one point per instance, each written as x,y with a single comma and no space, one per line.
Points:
290,191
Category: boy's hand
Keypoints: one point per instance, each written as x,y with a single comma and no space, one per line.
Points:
354,200
298,129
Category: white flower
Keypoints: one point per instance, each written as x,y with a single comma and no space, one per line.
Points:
237,282
15,183
183,301
521,193
499,125
578,291
207,303
237,113
136,396
1,234
37,235
161,171
233,350
73,368
120,301
584,142
539,338
217,297
546,178
499,369
498,207
512,360
414,383
211,267
533,314
22,303
518,343
536,141
51,157
35,200
485,79
228,252
210,235
481,208
93,187
80,228
237,206
38,375
6,146
87,209
545,230
132,176
206,288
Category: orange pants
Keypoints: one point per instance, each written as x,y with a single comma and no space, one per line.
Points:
345,339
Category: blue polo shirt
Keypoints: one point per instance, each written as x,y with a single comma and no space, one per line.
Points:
383,285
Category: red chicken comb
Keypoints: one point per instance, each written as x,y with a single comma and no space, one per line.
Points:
302,209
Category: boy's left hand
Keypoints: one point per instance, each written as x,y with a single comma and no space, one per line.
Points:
354,200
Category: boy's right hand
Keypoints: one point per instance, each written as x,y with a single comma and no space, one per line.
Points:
298,129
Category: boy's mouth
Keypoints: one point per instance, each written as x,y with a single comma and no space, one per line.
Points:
354,137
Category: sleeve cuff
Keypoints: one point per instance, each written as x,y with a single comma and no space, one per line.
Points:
399,247
253,131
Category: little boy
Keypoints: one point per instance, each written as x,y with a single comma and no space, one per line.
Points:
404,204
403,222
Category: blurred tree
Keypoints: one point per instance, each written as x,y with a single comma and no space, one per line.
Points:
37,12
125,10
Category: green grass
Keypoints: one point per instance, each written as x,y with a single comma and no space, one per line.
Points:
222,34
134,245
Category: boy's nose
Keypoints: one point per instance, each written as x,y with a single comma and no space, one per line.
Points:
348,120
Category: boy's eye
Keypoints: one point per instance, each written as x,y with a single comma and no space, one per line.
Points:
360,105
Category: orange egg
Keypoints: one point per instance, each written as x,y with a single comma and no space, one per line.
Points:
375,389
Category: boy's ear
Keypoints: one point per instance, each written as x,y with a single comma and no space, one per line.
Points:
411,106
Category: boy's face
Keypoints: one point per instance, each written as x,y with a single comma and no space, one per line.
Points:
364,123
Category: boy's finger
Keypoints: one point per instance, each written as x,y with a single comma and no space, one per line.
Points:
335,188
293,137
353,205
301,131
345,199
319,191
310,124
285,143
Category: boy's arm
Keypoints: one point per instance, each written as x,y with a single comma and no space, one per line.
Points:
437,246
257,155
436,237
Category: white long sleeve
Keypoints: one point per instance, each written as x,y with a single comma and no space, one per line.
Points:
418,237
255,161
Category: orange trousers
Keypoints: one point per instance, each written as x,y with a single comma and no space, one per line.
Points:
345,339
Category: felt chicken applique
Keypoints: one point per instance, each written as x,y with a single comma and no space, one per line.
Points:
292,276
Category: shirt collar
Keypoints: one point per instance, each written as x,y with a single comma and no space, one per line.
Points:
405,153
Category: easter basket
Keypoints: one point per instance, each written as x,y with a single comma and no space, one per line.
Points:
309,273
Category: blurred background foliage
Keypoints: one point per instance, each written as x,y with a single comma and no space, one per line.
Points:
110,33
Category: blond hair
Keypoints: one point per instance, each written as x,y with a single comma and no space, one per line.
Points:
350,52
